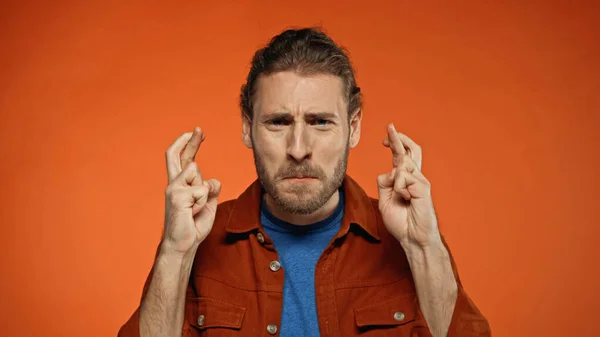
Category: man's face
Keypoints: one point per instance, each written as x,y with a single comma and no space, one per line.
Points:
300,136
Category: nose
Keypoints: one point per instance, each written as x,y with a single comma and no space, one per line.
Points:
299,147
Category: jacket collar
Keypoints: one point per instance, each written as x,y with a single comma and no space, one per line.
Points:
358,210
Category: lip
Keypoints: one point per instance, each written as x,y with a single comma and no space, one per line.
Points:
300,178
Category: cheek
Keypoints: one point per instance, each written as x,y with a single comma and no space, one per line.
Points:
271,151
330,153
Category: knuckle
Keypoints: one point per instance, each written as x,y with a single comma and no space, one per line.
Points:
427,183
190,166
172,198
173,195
170,152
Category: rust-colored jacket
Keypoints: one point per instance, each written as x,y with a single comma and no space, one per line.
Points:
363,282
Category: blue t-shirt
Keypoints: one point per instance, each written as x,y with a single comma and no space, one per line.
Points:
299,249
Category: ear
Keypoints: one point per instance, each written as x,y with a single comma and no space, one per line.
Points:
355,127
247,130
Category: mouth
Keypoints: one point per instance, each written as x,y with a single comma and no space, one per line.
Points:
299,178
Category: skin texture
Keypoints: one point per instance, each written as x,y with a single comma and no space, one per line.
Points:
301,128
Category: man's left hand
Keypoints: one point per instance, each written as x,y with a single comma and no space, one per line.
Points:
405,199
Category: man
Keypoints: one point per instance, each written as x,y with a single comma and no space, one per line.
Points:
303,251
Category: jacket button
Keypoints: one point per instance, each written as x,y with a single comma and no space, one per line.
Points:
201,320
260,238
399,316
275,265
272,329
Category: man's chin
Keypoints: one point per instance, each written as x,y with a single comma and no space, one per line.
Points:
299,187
296,204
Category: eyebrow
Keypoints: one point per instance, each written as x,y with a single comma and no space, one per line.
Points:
321,115
277,115
312,115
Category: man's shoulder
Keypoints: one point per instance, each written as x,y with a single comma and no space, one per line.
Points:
226,205
374,202
224,209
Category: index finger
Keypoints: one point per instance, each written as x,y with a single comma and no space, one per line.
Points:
172,155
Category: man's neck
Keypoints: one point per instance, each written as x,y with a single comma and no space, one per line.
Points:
303,219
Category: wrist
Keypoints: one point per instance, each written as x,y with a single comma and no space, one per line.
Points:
432,241
173,257
421,255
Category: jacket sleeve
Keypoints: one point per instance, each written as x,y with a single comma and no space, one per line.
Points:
131,328
467,320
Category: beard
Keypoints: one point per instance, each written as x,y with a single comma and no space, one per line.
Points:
301,198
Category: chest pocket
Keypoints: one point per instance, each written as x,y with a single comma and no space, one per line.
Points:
393,317
206,314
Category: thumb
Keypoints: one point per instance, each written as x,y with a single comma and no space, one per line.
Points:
385,181
214,190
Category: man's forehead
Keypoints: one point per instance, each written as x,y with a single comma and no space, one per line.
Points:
290,91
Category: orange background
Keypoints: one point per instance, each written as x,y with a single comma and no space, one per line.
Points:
502,98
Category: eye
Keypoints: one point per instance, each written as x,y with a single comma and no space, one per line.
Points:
321,122
277,122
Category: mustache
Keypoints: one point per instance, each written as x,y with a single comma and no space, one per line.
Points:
302,170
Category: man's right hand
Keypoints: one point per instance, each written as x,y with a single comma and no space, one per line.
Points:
191,203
